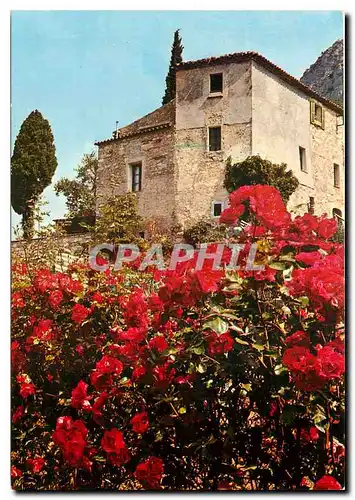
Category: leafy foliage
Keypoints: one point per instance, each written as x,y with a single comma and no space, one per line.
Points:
118,221
204,231
176,57
33,164
255,170
81,191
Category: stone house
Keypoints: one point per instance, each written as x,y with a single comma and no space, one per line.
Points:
235,105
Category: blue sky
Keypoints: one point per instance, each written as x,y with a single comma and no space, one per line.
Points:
86,69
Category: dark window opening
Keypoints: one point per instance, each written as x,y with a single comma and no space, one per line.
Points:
338,216
217,209
136,177
214,138
303,163
216,82
336,175
311,205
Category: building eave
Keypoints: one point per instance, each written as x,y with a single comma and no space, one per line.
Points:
239,57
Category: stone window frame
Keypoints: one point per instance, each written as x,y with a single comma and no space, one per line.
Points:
223,204
313,112
132,163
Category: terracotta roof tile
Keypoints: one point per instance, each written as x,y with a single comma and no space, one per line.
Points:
162,117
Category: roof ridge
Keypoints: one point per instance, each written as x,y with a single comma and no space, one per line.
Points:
148,114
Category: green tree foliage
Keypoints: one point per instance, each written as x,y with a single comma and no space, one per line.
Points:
205,231
81,191
255,170
176,57
118,221
33,164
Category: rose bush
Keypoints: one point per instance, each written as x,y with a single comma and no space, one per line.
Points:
186,379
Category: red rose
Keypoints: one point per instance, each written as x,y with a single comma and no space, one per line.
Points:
138,372
79,313
27,389
327,483
70,435
113,444
80,350
35,465
150,472
15,472
158,343
331,363
231,214
219,344
298,338
79,396
140,422
55,298
17,414
297,358
309,436
107,364
112,441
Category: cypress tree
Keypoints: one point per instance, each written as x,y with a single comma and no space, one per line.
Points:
33,164
176,57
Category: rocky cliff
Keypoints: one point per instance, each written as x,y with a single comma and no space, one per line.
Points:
325,76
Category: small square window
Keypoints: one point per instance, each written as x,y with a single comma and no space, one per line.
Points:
136,175
214,138
217,207
216,83
336,169
311,205
303,162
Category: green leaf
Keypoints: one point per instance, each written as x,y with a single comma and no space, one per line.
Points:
304,301
279,266
197,350
240,341
258,347
217,324
201,368
280,369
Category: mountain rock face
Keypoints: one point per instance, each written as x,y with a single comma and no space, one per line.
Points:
325,76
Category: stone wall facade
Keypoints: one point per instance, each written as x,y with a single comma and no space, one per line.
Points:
200,172
155,151
260,111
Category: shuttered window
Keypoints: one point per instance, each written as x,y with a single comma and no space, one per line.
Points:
136,173
214,138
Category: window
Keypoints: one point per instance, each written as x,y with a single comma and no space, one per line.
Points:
216,83
136,173
338,216
311,205
214,138
217,208
317,114
336,175
303,163
337,213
